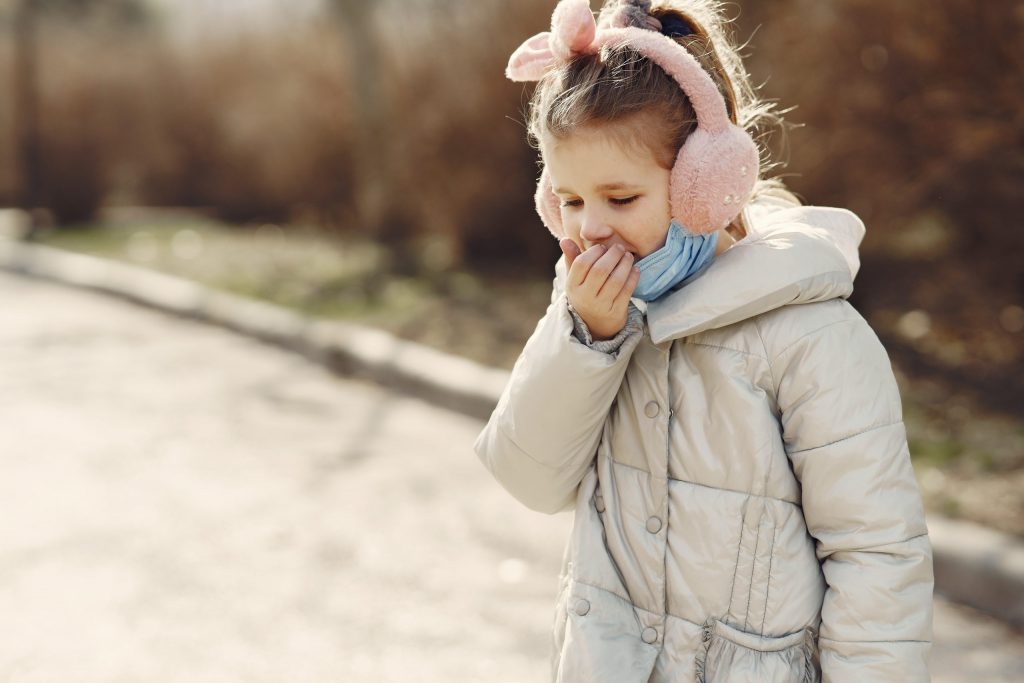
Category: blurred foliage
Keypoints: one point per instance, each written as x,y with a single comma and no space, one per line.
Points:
296,123
396,112
125,13
453,151
393,119
908,107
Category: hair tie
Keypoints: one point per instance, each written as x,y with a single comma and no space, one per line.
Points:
625,13
674,26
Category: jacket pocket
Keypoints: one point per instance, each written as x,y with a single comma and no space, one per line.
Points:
602,640
733,656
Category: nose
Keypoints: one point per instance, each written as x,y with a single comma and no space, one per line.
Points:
594,229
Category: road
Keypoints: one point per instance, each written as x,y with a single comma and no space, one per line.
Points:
185,504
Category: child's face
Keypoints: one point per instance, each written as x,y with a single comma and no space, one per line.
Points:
609,195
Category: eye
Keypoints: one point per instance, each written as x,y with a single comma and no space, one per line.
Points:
625,200
572,202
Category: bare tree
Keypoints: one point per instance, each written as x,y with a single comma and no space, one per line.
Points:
373,153
26,104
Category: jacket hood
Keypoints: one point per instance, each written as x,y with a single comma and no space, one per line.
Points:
791,255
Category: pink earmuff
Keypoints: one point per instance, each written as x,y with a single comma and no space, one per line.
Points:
548,205
716,168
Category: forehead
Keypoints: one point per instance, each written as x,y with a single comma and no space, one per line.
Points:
596,159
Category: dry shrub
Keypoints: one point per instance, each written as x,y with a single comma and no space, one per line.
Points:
252,127
79,112
256,127
461,163
8,139
907,109
908,106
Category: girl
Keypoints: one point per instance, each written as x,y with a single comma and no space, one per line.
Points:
726,427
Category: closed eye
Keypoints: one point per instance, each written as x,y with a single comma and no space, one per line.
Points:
614,200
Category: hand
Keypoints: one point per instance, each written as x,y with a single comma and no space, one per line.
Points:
599,284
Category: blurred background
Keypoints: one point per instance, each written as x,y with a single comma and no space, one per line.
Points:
367,161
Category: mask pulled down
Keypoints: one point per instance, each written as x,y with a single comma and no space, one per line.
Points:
682,256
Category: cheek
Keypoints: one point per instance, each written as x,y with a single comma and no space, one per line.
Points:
655,233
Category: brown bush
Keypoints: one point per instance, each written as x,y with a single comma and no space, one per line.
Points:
908,106
464,165
251,128
909,111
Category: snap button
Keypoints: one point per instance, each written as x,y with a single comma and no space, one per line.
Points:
653,524
650,635
599,504
582,606
652,409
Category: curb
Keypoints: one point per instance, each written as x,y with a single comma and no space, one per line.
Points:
974,565
980,567
351,350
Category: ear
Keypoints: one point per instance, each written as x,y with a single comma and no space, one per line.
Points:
531,59
548,205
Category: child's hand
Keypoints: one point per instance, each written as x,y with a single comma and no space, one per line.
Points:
599,284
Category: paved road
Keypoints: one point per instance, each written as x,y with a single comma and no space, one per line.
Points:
184,504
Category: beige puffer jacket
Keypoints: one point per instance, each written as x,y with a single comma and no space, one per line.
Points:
745,507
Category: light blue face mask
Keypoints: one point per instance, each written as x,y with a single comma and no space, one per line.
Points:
683,255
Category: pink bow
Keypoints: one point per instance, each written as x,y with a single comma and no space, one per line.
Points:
572,33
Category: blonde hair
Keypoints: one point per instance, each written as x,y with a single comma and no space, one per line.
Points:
637,102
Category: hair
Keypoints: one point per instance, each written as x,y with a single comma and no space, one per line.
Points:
635,101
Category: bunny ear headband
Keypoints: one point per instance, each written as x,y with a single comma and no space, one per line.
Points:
717,166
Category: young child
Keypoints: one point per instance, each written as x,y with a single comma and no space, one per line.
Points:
725,425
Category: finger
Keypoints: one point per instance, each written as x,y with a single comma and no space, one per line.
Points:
570,249
584,262
610,289
602,268
622,298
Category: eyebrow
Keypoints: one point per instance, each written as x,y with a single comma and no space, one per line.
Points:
605,186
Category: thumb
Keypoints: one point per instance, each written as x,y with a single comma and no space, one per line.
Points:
570,249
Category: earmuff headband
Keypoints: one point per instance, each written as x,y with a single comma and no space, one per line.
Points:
716,168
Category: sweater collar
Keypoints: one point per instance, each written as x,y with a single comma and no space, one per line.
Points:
791,255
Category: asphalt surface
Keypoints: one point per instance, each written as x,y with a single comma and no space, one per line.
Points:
181,503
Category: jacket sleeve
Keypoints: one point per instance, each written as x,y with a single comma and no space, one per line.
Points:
843,430
544,432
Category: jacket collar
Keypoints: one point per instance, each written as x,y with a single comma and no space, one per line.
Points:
791,255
